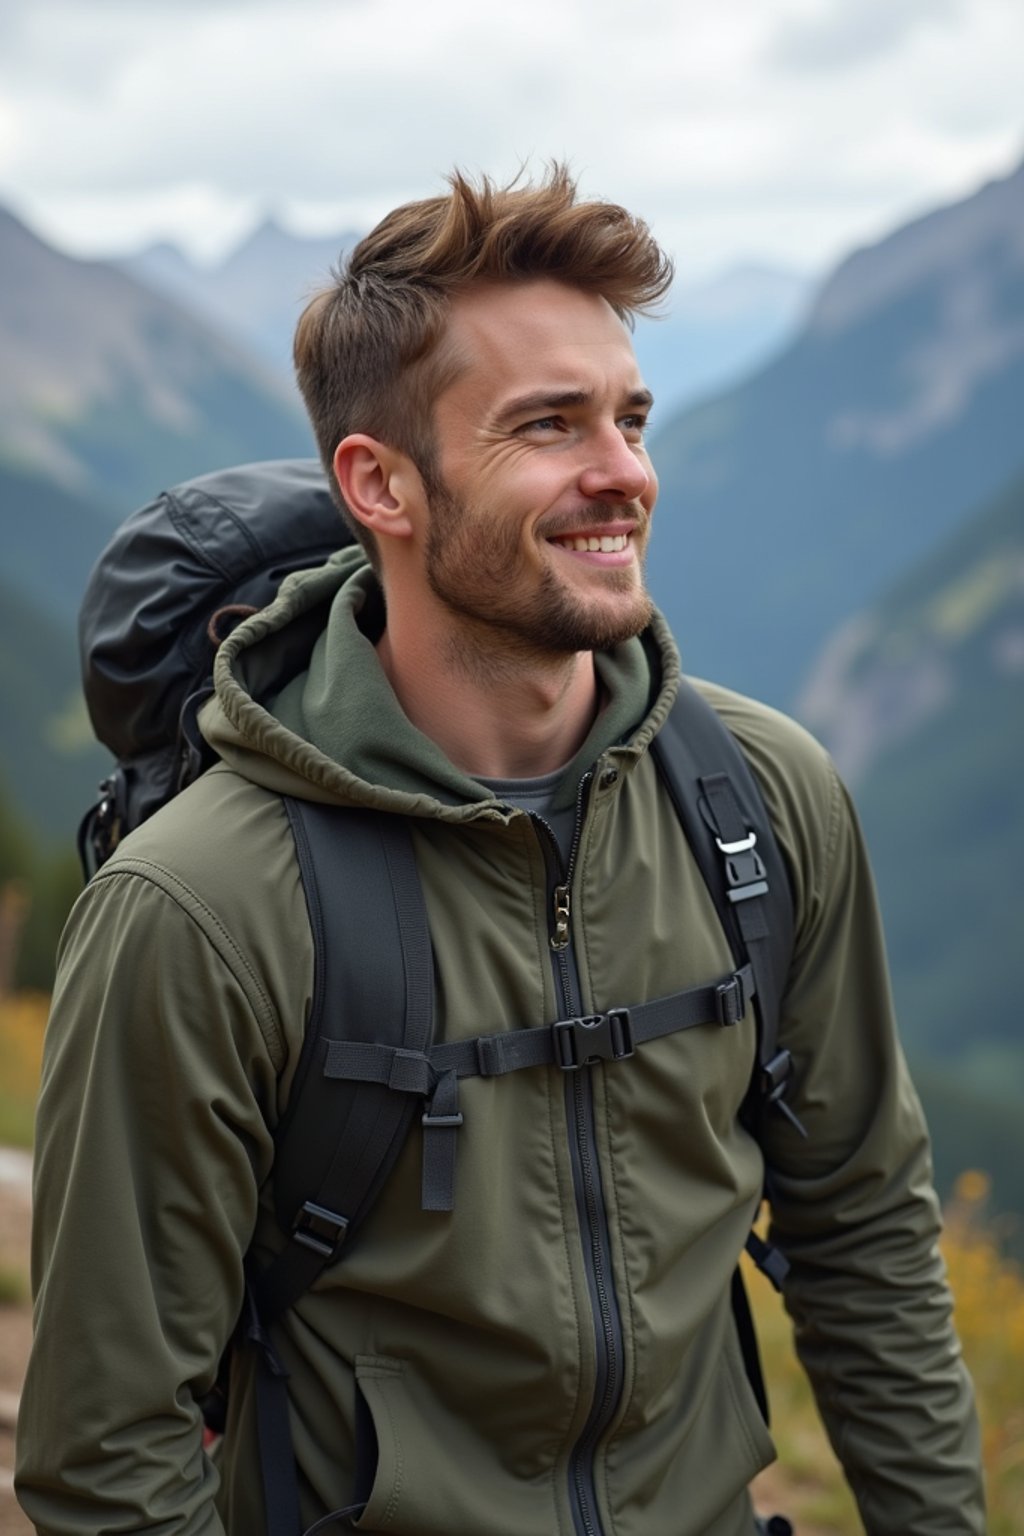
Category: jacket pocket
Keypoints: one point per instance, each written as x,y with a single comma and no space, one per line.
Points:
431,1466
382,1468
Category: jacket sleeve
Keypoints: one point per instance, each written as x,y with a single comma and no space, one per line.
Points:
151,1144
854,1210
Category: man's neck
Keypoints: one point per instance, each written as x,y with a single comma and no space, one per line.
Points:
508,717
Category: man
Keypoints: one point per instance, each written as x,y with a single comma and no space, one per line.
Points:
557,1353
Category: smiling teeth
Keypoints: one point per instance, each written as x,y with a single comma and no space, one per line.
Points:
608,544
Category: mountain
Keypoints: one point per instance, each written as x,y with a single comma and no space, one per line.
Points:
112,390
921,700
50,537
951,625
793,501
715,331
108,393
718,331
48,759
257,293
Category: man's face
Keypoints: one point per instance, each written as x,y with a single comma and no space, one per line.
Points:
538,529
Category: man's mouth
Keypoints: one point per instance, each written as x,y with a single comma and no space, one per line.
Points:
594,543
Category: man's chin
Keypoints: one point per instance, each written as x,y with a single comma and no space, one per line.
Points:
597,627
622,609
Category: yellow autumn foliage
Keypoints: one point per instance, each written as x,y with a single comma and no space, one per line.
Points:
22,1021
988,1290
988,1287
989,1294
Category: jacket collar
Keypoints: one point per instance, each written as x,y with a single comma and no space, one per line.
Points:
303,706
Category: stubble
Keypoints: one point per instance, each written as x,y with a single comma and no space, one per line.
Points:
505,624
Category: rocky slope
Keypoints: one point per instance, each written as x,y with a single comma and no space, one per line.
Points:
112,390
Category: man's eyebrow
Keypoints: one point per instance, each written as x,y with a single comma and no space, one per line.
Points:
540,402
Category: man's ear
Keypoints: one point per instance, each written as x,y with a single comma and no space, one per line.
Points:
381,486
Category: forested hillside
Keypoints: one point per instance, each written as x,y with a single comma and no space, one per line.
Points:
792,502
49,763
922,701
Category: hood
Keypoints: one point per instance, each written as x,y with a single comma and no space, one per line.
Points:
303,707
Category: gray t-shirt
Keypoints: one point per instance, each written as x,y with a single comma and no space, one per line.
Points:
538,796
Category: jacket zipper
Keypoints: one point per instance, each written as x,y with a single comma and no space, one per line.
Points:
590,1206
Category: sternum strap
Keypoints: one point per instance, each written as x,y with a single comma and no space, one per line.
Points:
569,1044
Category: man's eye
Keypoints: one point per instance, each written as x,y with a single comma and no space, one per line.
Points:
634,426
543,424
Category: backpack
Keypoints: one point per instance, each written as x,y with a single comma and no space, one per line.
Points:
215,549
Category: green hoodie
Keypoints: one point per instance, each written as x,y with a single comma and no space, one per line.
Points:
558,1354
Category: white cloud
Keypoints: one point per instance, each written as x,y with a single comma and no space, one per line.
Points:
120,123
842,34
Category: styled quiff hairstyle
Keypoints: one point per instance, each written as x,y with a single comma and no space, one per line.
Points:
367,351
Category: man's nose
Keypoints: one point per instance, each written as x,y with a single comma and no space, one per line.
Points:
614,470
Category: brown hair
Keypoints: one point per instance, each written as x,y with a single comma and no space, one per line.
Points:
366,348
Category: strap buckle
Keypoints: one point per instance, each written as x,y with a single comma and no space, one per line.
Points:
594,1037
743,845
744,868
775,1076
320,1229
731,1000
774,1082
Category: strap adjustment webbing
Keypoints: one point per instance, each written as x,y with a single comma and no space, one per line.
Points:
570,1044
771,1261
273,1427
746,877
440,1125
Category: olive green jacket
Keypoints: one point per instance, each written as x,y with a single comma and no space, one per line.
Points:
478,1341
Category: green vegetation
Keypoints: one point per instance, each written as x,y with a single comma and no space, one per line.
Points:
975,1124
965,579
49,762
14,1288
22,1022
943,807
944,815
37,889
988,1289
52,537
135,455
943,810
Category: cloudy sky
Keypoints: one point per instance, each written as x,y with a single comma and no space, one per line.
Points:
781,130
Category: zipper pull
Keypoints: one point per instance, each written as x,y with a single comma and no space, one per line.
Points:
560,938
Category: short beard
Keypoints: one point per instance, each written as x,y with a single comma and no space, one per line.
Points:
553,622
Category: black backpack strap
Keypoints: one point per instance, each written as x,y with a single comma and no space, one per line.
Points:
720,806
374,984
728,828
373,980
